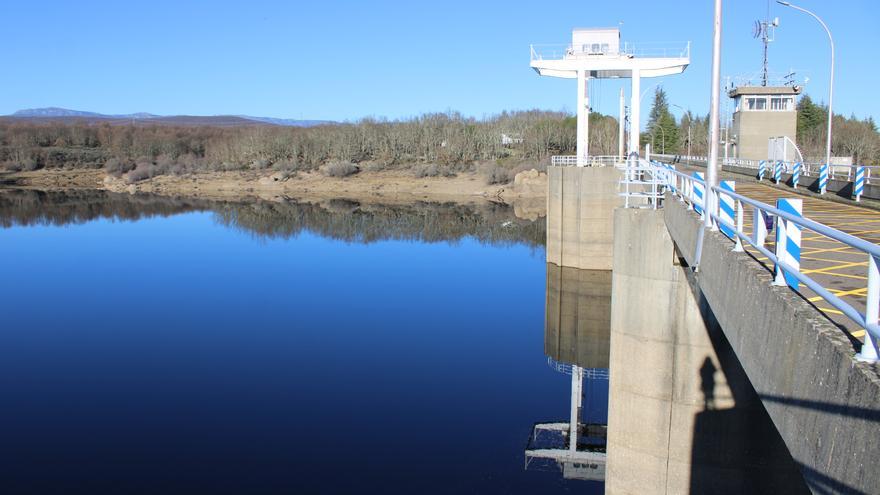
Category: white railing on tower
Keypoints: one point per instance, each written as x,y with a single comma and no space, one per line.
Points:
562,51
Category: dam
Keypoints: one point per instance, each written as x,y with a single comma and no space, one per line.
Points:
740,354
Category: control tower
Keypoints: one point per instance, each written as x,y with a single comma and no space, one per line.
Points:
598,53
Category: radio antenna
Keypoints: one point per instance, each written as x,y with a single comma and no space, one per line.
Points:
765,30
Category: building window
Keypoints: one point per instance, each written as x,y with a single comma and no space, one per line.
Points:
781,103
756,103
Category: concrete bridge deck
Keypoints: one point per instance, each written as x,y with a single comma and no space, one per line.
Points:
840,268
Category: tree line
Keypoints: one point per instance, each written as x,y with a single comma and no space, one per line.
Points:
452,141
858,138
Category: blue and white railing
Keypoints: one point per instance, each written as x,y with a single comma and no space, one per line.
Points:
787,215
846,173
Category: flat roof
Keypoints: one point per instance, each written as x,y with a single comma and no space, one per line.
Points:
764,90
596,29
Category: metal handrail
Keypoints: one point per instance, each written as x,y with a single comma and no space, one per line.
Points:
809,169
868,320
561,51
563,160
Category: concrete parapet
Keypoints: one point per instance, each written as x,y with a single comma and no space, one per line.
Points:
825,405
580,202
682,416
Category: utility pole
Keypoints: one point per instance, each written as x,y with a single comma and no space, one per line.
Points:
714,119
621,125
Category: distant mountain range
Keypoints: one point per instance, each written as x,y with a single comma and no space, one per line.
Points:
66,115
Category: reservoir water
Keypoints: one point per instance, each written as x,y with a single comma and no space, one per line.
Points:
153,345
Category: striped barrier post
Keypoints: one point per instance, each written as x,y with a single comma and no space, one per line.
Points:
796,174
726,208
699,193
777,172
672,179
762,169
823,178
788,242
870,351
859,185
759,227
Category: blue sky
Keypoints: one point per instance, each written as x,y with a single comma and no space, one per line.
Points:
343,60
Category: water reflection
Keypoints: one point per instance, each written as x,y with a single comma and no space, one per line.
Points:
353,221
698,429
577,344
240,347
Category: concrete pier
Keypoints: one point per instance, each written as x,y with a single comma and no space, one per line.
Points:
578,316
683,417
580,205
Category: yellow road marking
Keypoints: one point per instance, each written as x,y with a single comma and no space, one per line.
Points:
841,249
829,310
845,275
836,267
841,293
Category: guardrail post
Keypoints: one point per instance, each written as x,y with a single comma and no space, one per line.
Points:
759,227
869,350
823,178
788,242
762,169
859,185
796,174
726,208
738,247
777,172
698,191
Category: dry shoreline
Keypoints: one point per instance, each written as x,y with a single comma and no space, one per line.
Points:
527,193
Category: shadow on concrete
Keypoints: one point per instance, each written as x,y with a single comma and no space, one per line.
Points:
707,383
736,448
827,407
822,484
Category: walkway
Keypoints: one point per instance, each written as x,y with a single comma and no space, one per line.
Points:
839,268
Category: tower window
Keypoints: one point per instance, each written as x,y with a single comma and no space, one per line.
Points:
780,103
756,103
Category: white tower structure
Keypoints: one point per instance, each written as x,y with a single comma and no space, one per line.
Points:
598,53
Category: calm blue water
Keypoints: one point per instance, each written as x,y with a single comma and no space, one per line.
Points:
187,354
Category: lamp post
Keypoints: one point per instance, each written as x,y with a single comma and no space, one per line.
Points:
712,167
831,81
689,127
662,140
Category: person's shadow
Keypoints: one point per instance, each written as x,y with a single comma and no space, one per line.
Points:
707,383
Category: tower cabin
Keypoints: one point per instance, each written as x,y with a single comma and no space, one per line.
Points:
764,120
597,53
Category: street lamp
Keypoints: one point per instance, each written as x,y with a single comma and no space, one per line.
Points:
690,118
662,137
830,83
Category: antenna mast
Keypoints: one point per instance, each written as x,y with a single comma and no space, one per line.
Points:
765,30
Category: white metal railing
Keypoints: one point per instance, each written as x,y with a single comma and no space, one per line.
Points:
563,160
808,169
683,186
641,187
565,369
562,51
591,161
773,79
